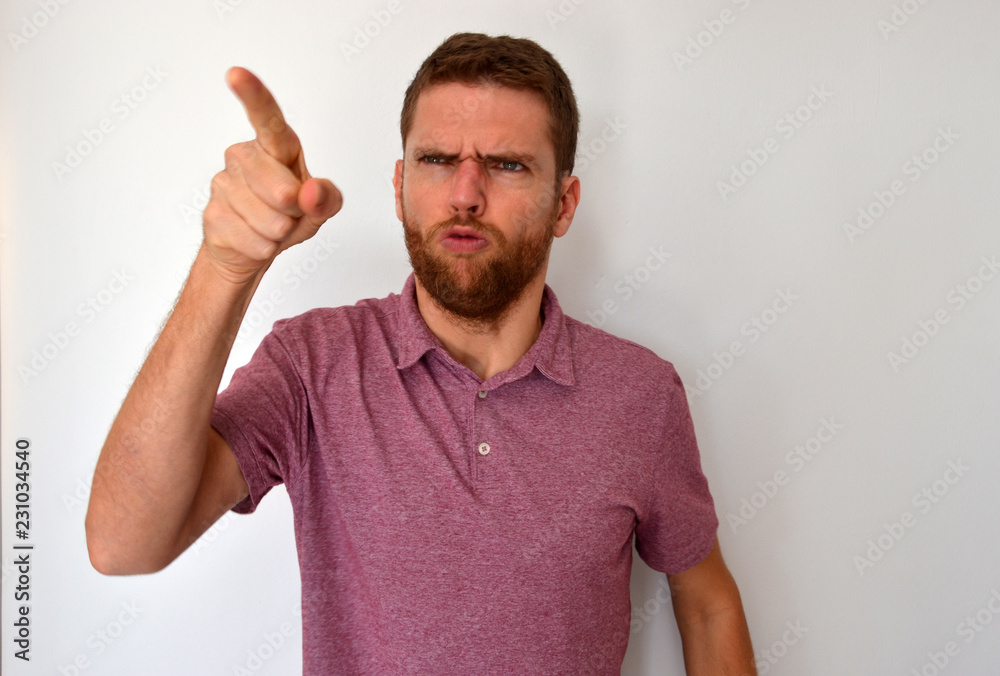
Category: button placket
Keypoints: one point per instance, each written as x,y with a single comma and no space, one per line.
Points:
483,451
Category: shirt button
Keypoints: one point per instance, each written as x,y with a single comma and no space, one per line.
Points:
484,448
482,394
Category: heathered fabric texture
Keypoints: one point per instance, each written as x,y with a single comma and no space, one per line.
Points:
422,552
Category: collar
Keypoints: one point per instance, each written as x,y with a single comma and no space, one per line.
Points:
551,353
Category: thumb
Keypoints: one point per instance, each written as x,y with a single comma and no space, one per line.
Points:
319,199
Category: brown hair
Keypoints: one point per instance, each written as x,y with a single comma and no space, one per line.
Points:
519,63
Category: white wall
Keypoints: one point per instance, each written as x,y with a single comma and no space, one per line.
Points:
904,96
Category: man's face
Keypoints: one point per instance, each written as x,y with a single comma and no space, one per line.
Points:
480,203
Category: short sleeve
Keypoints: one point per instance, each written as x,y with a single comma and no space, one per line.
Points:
678,527
263,415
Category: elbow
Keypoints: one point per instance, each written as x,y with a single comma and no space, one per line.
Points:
101,561
102,556
109,557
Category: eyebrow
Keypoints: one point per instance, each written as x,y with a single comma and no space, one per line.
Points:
522,158
526,160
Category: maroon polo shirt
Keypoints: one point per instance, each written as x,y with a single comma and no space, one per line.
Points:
446,525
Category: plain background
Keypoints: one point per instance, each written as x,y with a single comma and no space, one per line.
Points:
859,143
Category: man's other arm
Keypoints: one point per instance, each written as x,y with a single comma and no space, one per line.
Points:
711,621
164,475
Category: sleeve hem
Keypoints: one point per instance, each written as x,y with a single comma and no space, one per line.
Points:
230,430
697,555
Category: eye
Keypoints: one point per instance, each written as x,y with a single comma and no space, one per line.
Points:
510,165
430,159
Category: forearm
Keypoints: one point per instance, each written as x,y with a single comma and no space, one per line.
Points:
150,467
163,476
718,644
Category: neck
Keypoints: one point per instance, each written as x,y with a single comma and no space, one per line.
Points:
487,349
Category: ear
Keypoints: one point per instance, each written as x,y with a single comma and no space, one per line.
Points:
569,198
397,183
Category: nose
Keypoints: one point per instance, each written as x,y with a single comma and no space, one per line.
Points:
468,189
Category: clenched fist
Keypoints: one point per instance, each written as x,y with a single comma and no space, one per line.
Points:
264,201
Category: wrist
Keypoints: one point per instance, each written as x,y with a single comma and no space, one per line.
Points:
227,278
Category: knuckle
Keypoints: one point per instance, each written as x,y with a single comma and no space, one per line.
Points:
276,126
286,195
238,153
277,123
219,183
214,212
266,250
231,154
283,226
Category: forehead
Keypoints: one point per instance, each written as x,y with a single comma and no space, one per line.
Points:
457,113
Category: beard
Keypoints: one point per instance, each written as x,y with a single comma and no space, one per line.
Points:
477,288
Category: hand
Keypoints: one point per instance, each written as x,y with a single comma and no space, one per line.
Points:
264,201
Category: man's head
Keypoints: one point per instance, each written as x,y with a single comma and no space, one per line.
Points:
489,128
503,61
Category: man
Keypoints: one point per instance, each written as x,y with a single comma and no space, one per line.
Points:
467,465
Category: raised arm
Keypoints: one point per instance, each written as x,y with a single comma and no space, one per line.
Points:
164,475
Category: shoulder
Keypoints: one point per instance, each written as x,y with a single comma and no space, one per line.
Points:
366,323
593,346
363,312
623,374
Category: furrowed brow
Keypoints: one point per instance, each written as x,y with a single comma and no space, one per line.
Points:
431,151
521,158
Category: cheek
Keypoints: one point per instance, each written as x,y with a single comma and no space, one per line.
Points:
421,196
532,209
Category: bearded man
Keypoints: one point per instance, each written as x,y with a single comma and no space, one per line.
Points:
468,466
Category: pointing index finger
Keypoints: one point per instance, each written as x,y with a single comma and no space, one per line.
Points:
273,133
